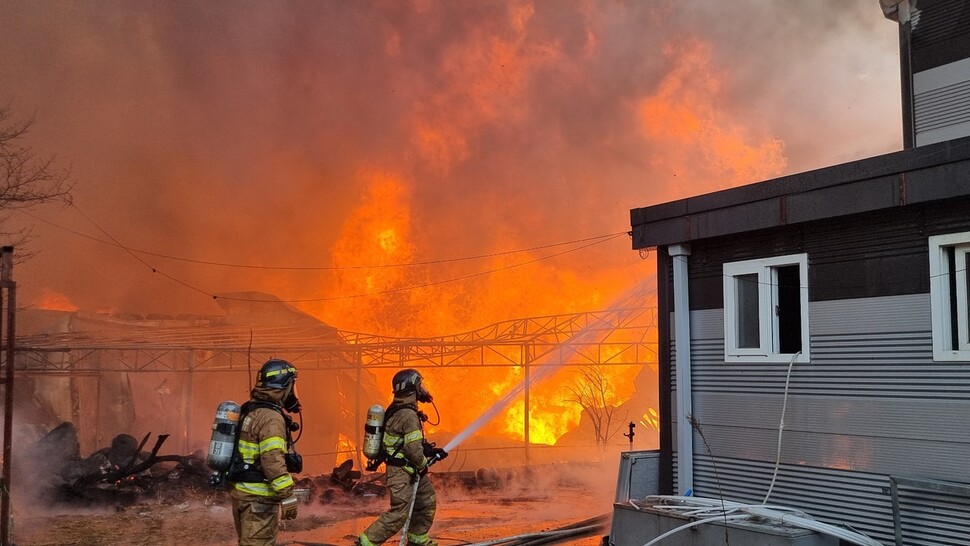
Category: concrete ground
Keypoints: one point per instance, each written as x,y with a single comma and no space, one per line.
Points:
480,514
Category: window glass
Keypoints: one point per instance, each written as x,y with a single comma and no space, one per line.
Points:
788,310
950,256
749,329
963,298
766,309
950,296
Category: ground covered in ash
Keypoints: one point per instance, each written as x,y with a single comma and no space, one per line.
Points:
470,509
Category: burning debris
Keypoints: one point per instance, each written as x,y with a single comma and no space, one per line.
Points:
125,473
122,472
345,484
152,499
351,481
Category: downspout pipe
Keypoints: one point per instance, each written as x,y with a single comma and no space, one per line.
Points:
685,434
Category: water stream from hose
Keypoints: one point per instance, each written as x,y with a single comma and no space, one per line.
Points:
629,306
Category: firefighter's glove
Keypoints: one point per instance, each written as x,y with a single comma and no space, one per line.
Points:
428,448
294,462
288,507
437,454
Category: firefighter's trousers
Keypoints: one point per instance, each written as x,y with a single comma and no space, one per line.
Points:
257,523
400,487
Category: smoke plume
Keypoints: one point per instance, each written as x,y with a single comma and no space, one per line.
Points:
312,135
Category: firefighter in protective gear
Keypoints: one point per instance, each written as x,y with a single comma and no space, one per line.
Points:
261,485
408,456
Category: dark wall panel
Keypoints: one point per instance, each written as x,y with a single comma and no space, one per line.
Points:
868,255
942,34
708,257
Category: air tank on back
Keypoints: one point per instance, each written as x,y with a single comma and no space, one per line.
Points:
374,432
223,440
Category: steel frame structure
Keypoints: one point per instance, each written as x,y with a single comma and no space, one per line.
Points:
618,337
615,337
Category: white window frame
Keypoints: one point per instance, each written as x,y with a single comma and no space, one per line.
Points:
766,269
941,297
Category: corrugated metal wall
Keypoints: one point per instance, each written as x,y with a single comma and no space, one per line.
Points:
941,103
871,405
940,46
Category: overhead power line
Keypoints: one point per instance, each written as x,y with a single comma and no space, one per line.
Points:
589,242
114,242
435,283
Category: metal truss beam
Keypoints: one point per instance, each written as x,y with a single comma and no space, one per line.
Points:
625,336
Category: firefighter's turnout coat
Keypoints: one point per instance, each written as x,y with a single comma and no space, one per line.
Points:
257,493
405,461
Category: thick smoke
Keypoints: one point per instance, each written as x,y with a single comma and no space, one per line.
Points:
345,134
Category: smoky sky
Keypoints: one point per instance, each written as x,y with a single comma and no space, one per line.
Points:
277,134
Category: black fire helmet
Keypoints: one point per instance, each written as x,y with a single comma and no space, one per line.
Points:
276,374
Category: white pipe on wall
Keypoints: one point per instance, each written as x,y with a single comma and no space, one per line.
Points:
685,434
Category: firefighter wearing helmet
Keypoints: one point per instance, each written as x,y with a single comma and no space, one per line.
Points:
407,456
261,484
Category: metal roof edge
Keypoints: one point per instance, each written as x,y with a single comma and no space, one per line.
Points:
895,179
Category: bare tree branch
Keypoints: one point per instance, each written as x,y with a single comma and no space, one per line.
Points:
593,393
25,180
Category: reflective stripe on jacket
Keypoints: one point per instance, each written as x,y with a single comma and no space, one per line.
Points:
262,438
403,437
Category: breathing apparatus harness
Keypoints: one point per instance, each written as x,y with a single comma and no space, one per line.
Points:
382,457
424,417
405,383
241,471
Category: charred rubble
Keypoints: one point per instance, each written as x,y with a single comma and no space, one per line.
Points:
131,471
126,471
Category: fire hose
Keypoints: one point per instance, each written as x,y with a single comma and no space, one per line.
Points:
717,510
583,528
407,522
414,496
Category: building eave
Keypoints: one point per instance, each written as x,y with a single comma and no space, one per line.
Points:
917,175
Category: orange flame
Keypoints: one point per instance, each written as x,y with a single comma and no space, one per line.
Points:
54,301
682,117
685,117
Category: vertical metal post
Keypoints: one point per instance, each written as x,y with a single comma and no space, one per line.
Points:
6,282
664,371
682,368
358,362
525,362
906,75
897,525
188,403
